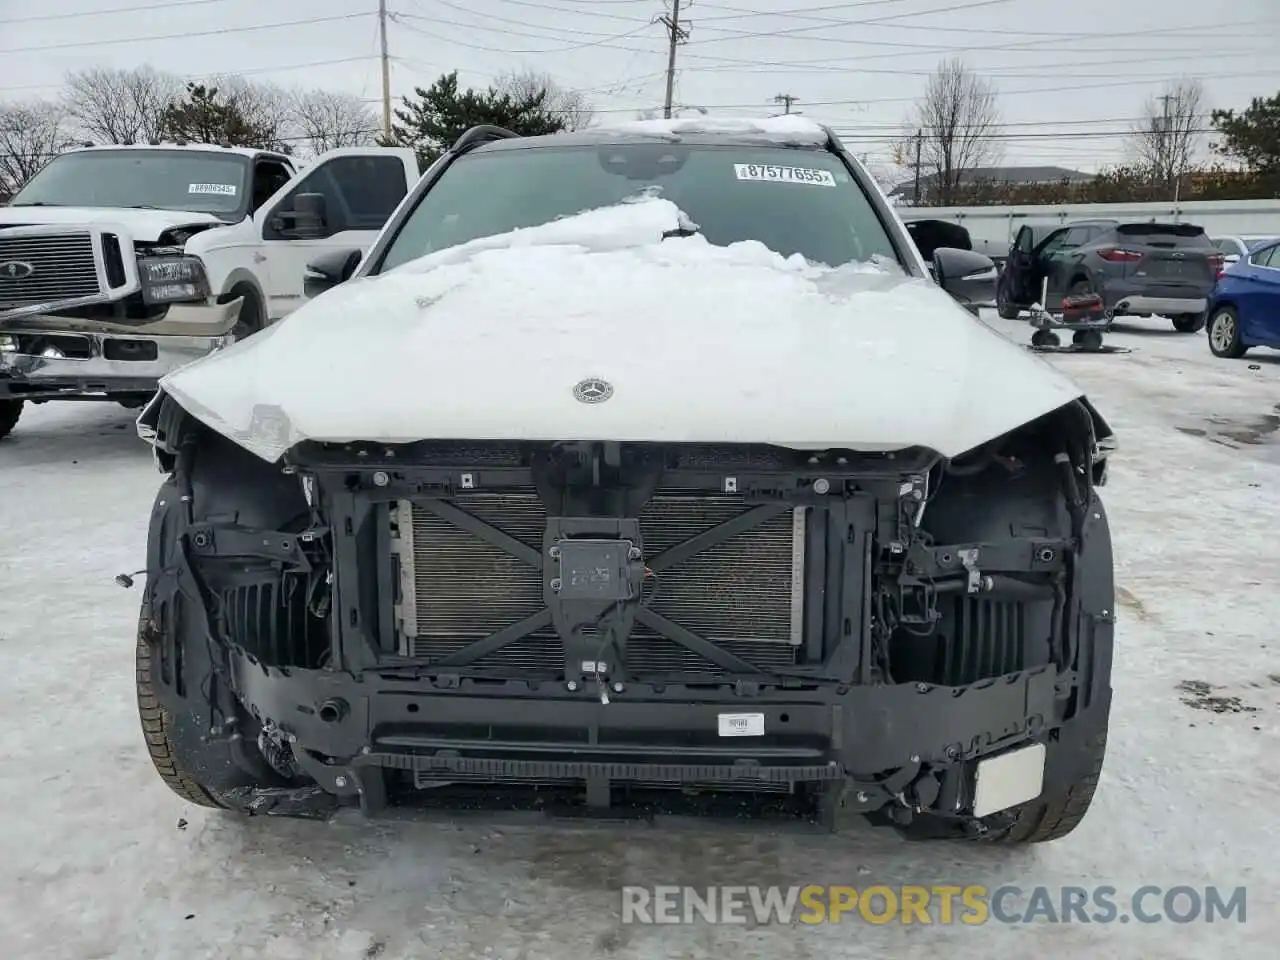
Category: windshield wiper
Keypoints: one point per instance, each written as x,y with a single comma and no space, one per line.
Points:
143,206
36,203
678,232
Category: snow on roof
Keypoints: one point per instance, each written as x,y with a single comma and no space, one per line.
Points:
192,147
787,129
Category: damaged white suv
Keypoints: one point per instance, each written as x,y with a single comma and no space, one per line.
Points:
632,464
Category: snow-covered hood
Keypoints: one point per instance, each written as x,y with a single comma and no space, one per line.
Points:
699,344
144,226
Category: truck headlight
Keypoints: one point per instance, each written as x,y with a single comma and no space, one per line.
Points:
172,279
8,344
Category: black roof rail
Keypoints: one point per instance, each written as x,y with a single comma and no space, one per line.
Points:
481,133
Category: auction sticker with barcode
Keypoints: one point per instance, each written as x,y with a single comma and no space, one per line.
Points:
776,174
741,724
217,189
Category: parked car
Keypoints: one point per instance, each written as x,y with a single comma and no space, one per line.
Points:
1235,247
1139,269
634,462
1244,309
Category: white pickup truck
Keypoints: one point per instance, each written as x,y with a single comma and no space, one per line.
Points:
119,264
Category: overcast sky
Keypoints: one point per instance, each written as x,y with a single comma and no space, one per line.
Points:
1072,76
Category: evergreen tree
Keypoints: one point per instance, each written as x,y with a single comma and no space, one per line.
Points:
434,118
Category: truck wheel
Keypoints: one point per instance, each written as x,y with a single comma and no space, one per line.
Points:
1189,322
252,315
10,411
1224,334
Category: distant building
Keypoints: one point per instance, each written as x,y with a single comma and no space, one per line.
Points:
1008,176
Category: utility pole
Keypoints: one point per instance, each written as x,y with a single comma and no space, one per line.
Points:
786,99
386,71
676,35
1164,149
919,144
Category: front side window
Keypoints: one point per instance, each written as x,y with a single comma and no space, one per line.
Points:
148,179
360,192
1269,257
793,201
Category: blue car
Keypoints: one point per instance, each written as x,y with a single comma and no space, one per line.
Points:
1244,308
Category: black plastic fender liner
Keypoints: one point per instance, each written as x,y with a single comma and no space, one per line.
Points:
1069,756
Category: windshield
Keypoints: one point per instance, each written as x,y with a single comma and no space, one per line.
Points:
204,182
792,201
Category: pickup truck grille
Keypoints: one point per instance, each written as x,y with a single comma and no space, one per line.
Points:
737,595
63,267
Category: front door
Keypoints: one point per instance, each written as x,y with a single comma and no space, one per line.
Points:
358,189
1258,304
1019,270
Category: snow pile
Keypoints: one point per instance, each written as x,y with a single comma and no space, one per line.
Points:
701,343
789,130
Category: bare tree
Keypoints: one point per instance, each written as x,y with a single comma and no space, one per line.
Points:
31,134
120,106
953,128
570,107
264,107
325,120
1167,138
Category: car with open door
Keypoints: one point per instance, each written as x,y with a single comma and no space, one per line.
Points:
639,463
119,264
1139,269
1244,310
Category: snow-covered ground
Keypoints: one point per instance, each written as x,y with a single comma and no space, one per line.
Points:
98,859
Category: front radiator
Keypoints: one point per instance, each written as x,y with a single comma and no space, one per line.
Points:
743,594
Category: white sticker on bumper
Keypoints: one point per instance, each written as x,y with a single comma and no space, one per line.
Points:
741,724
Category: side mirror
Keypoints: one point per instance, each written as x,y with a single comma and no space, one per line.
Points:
969,277
310,215
329,270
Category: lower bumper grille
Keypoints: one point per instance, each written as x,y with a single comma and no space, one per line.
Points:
739,594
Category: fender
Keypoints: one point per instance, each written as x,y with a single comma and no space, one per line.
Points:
227,255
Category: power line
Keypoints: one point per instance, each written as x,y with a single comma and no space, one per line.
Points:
146,8
400,19
557,33
189,34
239,73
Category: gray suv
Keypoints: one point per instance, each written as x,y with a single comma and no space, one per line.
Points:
1139,269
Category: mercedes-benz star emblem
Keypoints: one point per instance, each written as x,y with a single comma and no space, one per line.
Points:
593,390
16,270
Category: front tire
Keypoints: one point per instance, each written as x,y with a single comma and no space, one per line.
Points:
157,730
10,411
1224,334
1189,323
1052,818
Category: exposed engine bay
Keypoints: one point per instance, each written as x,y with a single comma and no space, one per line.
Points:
622,615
